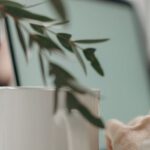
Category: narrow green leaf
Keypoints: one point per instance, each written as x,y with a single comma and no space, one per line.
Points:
42,68
76,87
35,4
20,13
97,66
64,79
91,41
90,56
31,41
64,39
37,28
45,42
21,39
60,23
64,36
61,75
11,3
74,103
79,58
60,8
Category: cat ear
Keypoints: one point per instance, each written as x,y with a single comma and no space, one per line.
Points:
120,136
113,129
136,120
140,124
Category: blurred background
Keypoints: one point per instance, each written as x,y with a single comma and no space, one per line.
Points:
125,90
143,10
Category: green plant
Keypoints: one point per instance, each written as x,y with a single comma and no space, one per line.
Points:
42,37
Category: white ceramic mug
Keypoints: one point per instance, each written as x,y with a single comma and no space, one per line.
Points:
27,122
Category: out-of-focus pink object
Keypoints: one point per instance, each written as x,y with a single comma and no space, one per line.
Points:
132,136
6,74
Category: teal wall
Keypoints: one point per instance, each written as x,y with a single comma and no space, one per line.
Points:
125,87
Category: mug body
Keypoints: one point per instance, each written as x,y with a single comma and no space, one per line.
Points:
27,120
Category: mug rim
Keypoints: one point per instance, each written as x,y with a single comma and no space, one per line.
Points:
37,88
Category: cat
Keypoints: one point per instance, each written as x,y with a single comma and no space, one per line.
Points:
132,136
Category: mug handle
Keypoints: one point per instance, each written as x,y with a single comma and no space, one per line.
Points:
77,136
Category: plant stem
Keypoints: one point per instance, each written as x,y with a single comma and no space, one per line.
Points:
37,4
51,31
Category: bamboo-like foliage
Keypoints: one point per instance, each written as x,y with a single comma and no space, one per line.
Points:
20,13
